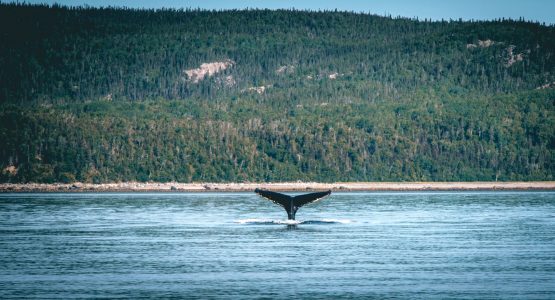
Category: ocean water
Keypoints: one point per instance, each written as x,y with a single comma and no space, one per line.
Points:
427,245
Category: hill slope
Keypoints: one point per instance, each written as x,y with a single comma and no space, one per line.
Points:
101,95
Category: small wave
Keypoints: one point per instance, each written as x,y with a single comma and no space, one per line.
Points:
267,222
328,221
290,222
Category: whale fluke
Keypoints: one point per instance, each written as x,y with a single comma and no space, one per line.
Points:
291,203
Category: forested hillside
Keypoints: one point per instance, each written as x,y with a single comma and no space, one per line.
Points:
104,94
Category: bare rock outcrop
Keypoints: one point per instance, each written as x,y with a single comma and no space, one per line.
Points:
10,170
285,69
513,58
481,44
207,70
257,89
546,86
333,75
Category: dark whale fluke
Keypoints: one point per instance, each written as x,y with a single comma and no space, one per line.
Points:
291,203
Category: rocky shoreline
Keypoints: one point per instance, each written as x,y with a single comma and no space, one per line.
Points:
282,186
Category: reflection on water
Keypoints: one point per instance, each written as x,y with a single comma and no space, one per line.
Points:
350,245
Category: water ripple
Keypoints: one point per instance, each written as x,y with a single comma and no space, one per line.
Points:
222,246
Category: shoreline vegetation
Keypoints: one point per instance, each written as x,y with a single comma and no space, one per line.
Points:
278,186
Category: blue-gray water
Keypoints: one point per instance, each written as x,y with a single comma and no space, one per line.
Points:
349,245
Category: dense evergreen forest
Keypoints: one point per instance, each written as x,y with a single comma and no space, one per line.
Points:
106,94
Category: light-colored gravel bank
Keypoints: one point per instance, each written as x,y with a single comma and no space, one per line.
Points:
281,186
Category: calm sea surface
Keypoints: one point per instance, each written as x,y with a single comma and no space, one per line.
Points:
229,245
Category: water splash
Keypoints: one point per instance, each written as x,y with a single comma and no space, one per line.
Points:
291,222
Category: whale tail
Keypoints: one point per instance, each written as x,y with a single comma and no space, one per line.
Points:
292,203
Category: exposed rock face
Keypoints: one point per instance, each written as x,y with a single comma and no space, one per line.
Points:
229,81
10,170
285,69
546,86
207,70
486,43
333,75
511,57
336,75
258,89
482,44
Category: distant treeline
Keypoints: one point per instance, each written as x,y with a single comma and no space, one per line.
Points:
103,94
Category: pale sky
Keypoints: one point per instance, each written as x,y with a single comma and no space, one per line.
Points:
534,10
